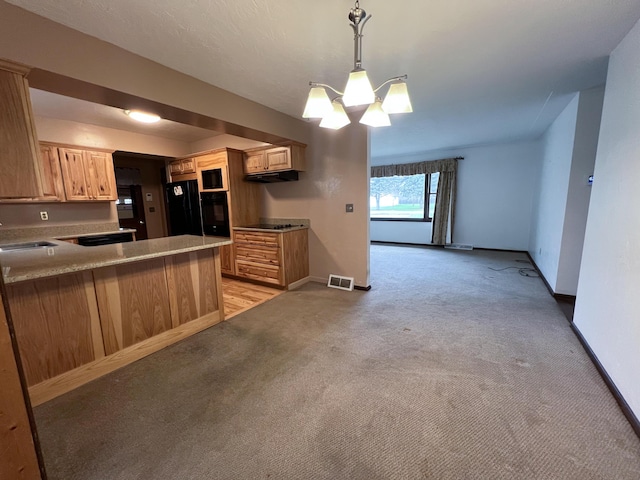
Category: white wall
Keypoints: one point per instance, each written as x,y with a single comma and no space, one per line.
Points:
494,199
562,194
583,159
608,305
337,173
550,202
401,232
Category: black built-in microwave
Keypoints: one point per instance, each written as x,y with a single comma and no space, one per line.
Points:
215,214
213,179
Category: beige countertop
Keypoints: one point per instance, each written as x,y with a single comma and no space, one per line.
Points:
64,257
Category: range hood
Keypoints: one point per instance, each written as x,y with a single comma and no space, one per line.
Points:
273,177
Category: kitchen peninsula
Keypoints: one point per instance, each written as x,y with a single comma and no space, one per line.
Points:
81,312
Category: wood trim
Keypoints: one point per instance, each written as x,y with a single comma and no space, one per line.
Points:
173,294
94,316
78,147
67,381
14,67
219,292
298,283
108,298
361,288
622,403
20,453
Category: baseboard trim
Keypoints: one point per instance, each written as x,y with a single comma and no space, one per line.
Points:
298,283
544,280
405,244
622,403
564,298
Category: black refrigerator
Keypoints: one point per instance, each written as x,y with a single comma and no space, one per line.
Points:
183,208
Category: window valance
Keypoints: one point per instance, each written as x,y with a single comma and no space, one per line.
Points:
403,169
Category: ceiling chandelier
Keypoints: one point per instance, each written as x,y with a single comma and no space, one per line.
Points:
358,90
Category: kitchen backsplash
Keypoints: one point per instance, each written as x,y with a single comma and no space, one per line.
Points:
58,231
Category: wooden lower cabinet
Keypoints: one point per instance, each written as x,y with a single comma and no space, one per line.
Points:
56,323
18,459
227,264
193,291
73,328
133,301
276,258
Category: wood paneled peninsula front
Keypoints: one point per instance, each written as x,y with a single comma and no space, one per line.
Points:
81,312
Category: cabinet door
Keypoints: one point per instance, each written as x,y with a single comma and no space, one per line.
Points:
188,165
278,159
75,182
100,175
52,186
227,263
254,162
21,171
175,167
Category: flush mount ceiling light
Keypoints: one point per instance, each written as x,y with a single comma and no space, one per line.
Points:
142,116
358,90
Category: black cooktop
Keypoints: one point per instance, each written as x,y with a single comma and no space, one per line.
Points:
265,226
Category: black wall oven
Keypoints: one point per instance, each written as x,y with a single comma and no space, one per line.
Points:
215,214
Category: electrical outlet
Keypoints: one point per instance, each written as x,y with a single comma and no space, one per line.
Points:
44,216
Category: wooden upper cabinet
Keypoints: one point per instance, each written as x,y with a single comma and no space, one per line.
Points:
75,183
100,176
278,158
254,162
274,159
21,168
182,166
88,175
53,188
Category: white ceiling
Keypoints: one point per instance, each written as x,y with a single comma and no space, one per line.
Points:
480,71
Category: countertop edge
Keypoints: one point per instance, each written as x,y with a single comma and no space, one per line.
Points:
56,271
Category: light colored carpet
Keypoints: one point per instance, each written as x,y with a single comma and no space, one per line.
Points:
444,370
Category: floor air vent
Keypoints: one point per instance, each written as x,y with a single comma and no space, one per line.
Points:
343,283
459,246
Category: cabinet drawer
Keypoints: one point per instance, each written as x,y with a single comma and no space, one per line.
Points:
253,253
257,238
264,273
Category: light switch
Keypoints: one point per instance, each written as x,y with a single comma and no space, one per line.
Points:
149,197
349,208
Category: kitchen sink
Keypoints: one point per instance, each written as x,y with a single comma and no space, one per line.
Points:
25,246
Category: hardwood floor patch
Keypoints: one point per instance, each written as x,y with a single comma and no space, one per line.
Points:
241,296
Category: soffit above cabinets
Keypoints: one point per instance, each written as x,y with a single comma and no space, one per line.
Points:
51,105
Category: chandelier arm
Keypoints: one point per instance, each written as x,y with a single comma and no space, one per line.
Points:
401,77
314,84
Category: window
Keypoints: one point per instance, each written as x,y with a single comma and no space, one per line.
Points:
410,198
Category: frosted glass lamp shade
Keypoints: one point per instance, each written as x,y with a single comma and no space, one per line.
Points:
397,99
375,116
358,90
337,118
318,104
